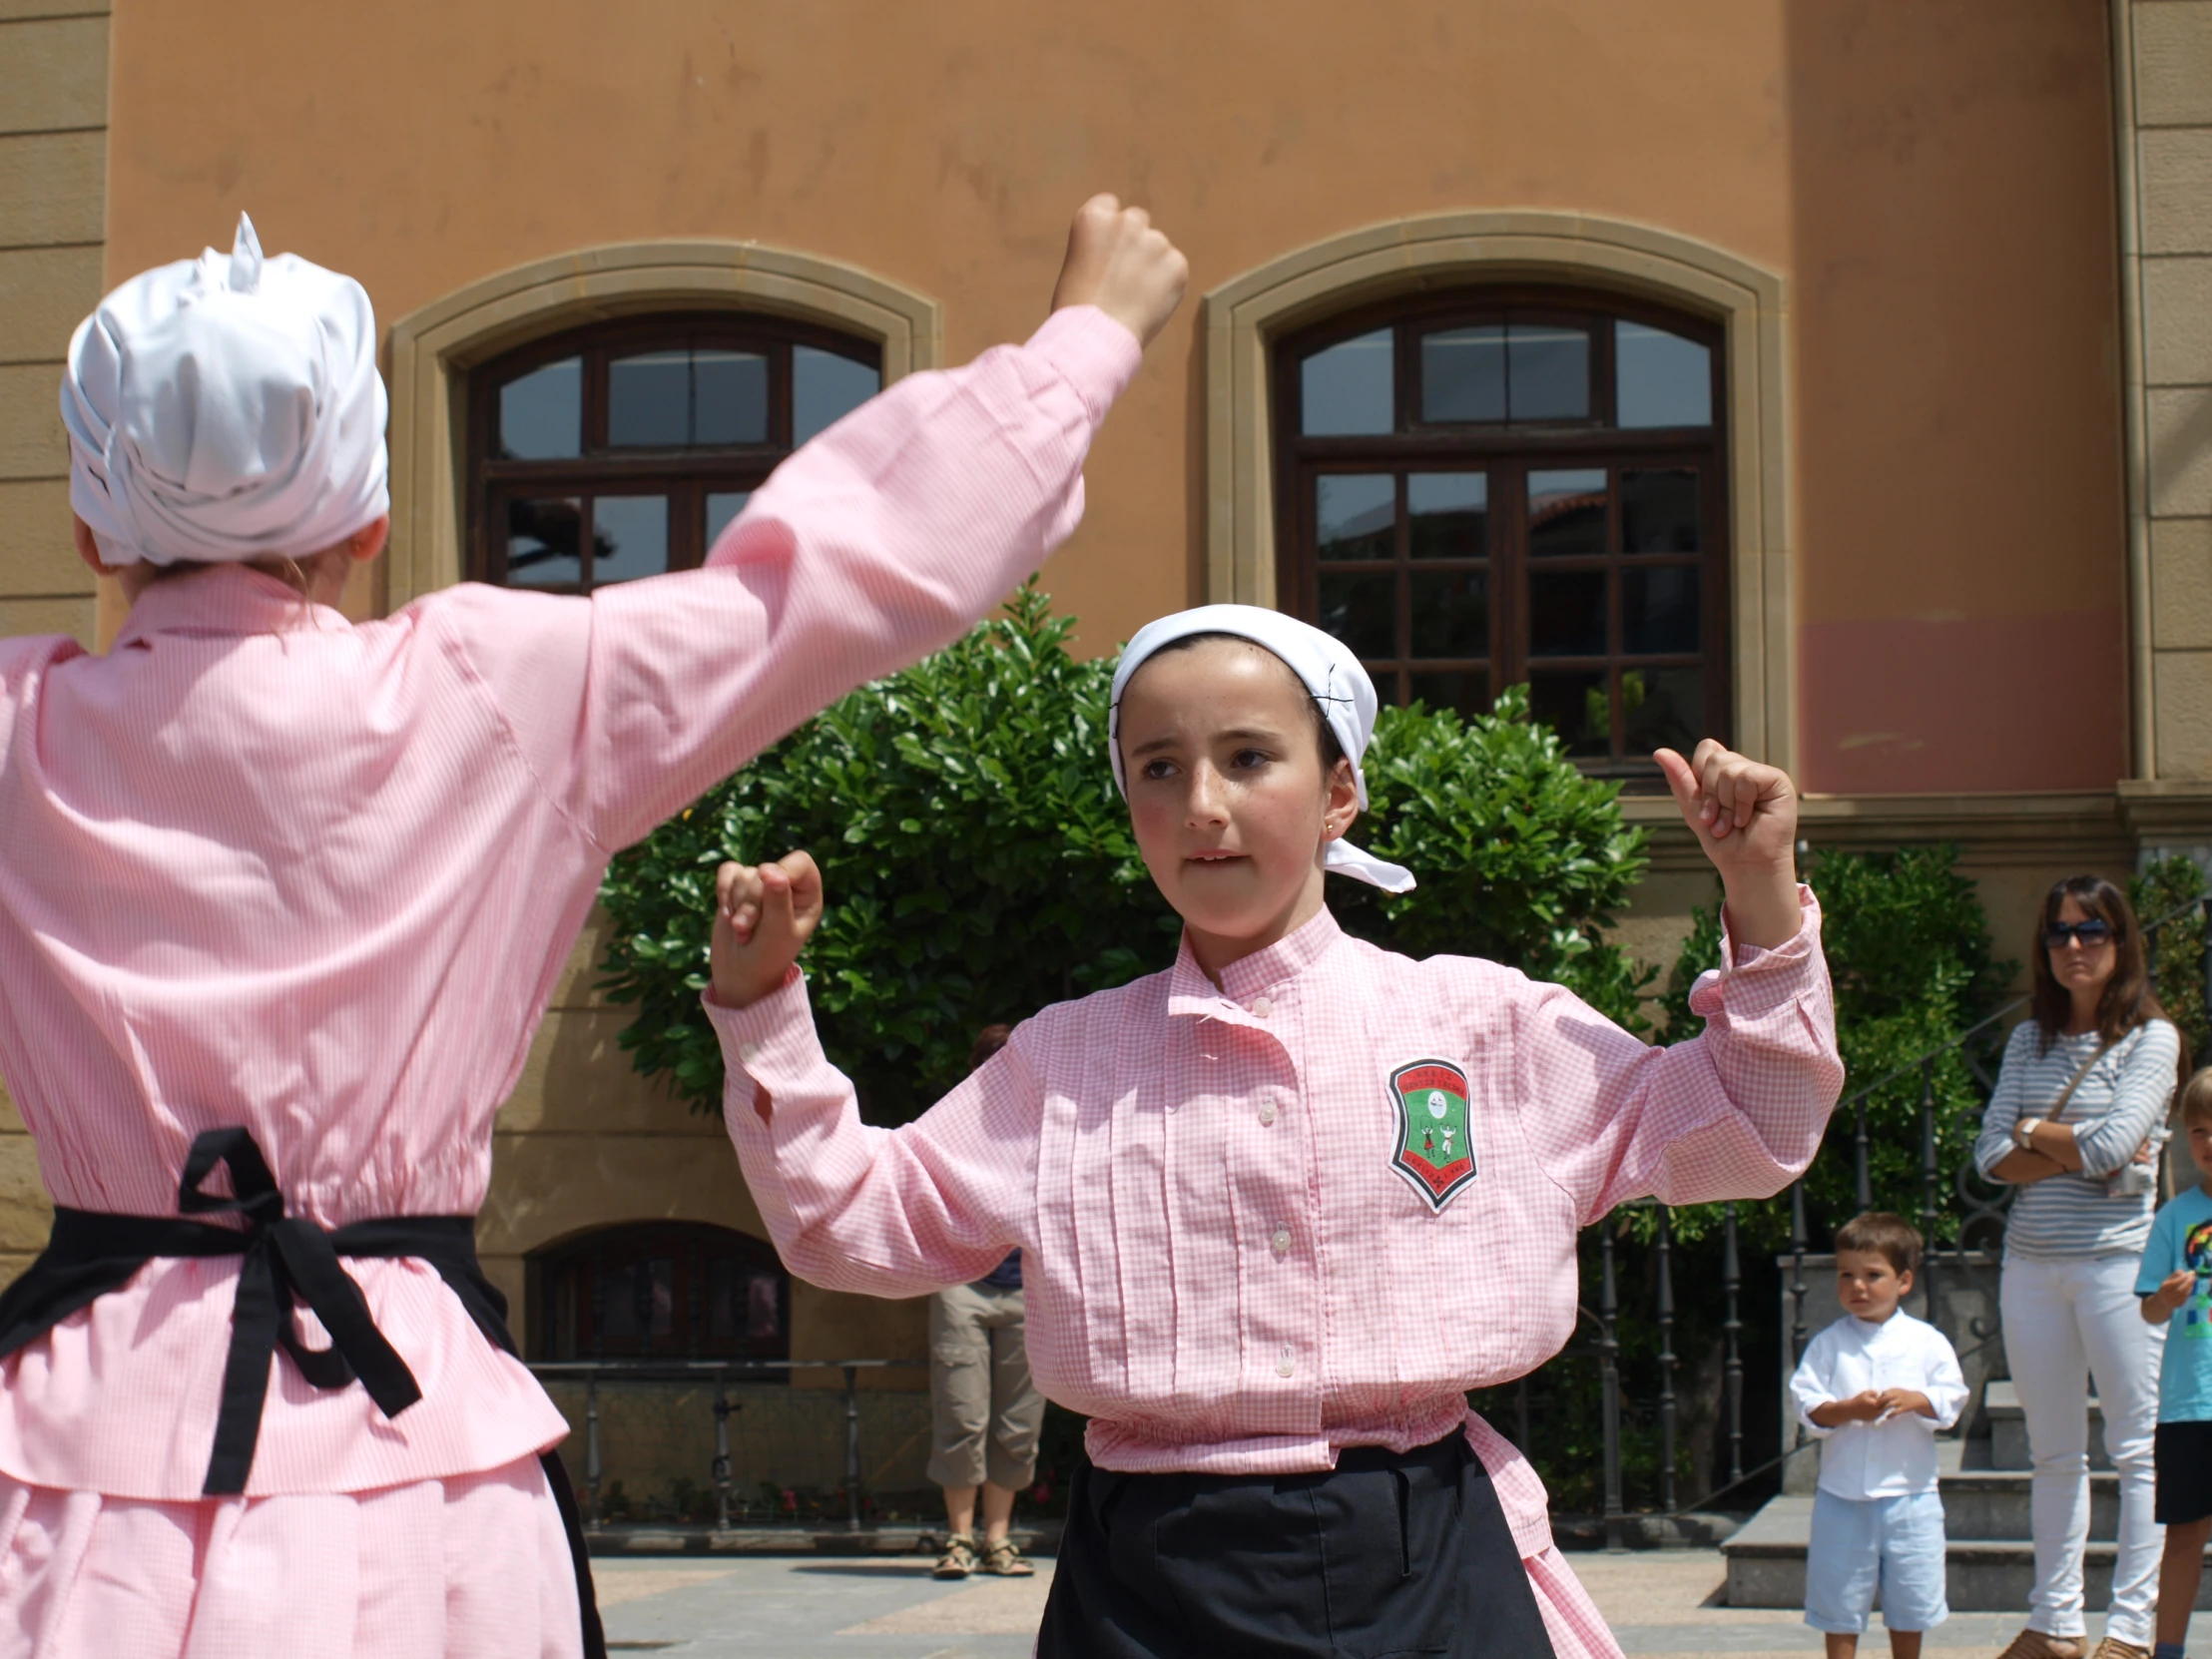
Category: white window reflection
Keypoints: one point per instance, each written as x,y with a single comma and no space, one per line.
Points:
629,538
1347,389
826,388
1662,378
541,413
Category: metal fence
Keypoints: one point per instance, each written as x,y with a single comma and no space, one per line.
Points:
720,1373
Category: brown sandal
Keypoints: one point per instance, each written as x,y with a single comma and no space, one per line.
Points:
958,1559
1003,1558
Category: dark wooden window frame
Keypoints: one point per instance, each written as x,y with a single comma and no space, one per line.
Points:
560,1330
686,476
1507,452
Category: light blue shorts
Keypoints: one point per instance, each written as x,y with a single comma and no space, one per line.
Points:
1858,1544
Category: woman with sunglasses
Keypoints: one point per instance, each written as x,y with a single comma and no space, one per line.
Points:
2075,1124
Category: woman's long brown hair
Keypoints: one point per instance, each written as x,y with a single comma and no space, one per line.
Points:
2128,1001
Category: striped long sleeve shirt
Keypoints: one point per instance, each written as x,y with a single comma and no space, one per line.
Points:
2120,1103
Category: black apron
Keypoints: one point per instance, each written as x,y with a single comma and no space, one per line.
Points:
286,1258
1389,1553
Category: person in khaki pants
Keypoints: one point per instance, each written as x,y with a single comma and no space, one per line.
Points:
985,1412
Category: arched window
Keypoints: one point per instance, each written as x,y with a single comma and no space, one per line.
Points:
1510,484
622,450
660,1290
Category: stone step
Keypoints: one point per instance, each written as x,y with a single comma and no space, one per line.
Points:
1982,1505
2001,1406
1766,1565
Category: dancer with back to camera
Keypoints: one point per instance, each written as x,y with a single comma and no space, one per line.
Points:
1283,1203
282,900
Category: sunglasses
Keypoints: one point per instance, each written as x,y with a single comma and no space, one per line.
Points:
2090,935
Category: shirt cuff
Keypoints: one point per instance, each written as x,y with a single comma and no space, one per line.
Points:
774,1037
1752,981
1098,356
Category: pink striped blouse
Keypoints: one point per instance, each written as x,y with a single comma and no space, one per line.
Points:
1224,1267
260,867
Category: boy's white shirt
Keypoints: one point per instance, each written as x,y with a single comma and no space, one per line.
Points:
1896,1456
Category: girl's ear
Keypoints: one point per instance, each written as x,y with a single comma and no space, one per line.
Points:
1341,801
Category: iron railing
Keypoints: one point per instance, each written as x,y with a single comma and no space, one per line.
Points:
1980,1213
720,1373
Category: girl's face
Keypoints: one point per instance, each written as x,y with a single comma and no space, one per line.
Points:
2081,965
1231,807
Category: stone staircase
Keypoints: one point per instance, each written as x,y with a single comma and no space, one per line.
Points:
1984,1479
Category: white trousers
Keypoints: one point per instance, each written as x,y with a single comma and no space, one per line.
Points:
2066,1321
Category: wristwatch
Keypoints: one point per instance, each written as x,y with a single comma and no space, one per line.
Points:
2024,1133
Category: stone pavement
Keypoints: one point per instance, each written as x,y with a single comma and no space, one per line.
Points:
1661,1604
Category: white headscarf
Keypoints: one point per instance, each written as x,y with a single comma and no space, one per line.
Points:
1330,673
226,409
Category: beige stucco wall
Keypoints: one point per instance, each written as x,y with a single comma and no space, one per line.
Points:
53,147
2173,163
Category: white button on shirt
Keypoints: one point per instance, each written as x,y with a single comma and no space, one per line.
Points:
1281,1240
1261,1008
1286,1364
1267,1112
1898,1455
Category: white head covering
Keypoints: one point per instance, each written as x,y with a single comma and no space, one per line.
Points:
227,409
1330,672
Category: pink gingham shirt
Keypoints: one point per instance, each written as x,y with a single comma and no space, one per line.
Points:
261,866
1222,1268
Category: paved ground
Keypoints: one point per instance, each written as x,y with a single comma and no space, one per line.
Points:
751,1607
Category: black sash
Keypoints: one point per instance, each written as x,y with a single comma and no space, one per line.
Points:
288,1260
1389,1554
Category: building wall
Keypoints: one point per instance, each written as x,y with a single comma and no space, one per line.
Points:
2172,139
53,145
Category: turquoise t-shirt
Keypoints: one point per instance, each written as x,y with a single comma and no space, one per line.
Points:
2181,1236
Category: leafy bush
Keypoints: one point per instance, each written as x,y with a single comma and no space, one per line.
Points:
1913,966
979,863
2167,886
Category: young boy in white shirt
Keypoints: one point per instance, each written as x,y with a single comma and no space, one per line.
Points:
2175,1282
1876,1385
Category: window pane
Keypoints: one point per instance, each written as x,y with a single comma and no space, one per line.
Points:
763,1318
1349,388
541,415
629,538
649,401
1462,375
1449,514
1466,692
1451,613
1663,707
1659,610
722,507
1363,612
1566,614
1575,706
1567,511
1659,512
1549,376
545,543
1661,379
1356,516
826,388
730,398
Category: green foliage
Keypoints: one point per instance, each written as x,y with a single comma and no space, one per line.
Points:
1521,857
979,863
2167,886
1913,966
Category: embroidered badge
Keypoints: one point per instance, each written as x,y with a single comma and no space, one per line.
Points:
1435,1147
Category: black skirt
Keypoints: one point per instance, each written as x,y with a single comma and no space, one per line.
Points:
1390,1553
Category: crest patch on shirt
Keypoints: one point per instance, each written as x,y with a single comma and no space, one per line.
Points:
1436,1149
